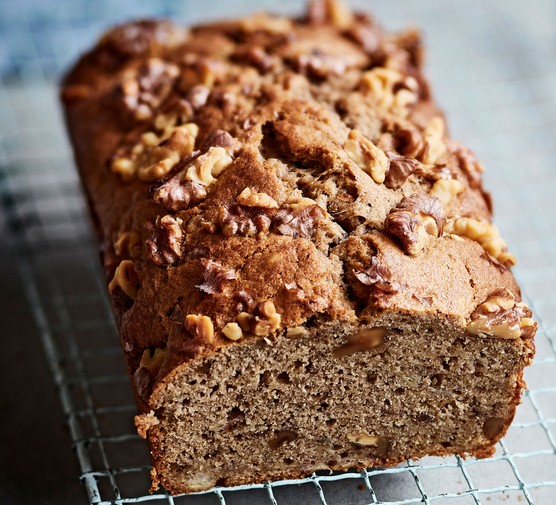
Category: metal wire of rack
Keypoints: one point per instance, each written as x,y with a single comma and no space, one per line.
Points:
490,67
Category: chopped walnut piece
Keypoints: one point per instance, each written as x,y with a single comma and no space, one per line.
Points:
250,198
152,359
178,193
262,22
446,190
469,164
362,341
125,278
256,56
484,233
245,320
214,277
409,142
377,275
232,331
175,112
380,443
391,90
335,12
197,96
297,332
298,220
144,422
128,245
155,155
399,169
502,317
367,156
320,65
218,138
144,88
267,320
434,139
416,221
240,220
200,70
281,438
200,327
164,246
208,166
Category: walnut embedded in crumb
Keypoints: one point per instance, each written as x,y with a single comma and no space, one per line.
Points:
446,190
282,437
484,233
246,221
232,331
298,220
200,327
380,443
392,91
178,193
434,139
250,198
367,156
208,166
214,277
164,246
501,316
155,155
377,275
416,220
364,340
399,169
144,88
126,279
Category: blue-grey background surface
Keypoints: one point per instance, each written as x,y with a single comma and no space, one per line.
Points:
492,64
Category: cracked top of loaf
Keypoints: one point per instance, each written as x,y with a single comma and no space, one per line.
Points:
267,175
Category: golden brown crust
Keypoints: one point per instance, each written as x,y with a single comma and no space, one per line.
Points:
268,172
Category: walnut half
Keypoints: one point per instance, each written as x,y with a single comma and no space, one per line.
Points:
155,155
502,317
367,156
416,221
484,233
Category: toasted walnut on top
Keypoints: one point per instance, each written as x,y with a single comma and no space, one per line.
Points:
501,316
208,166
164,246
144,88
156,154
335,12
126,279
392,91
416,221
484,233
214,277
367,156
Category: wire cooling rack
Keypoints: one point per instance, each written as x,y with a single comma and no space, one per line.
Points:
492,66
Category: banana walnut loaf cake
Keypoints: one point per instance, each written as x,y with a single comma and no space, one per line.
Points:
302,262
